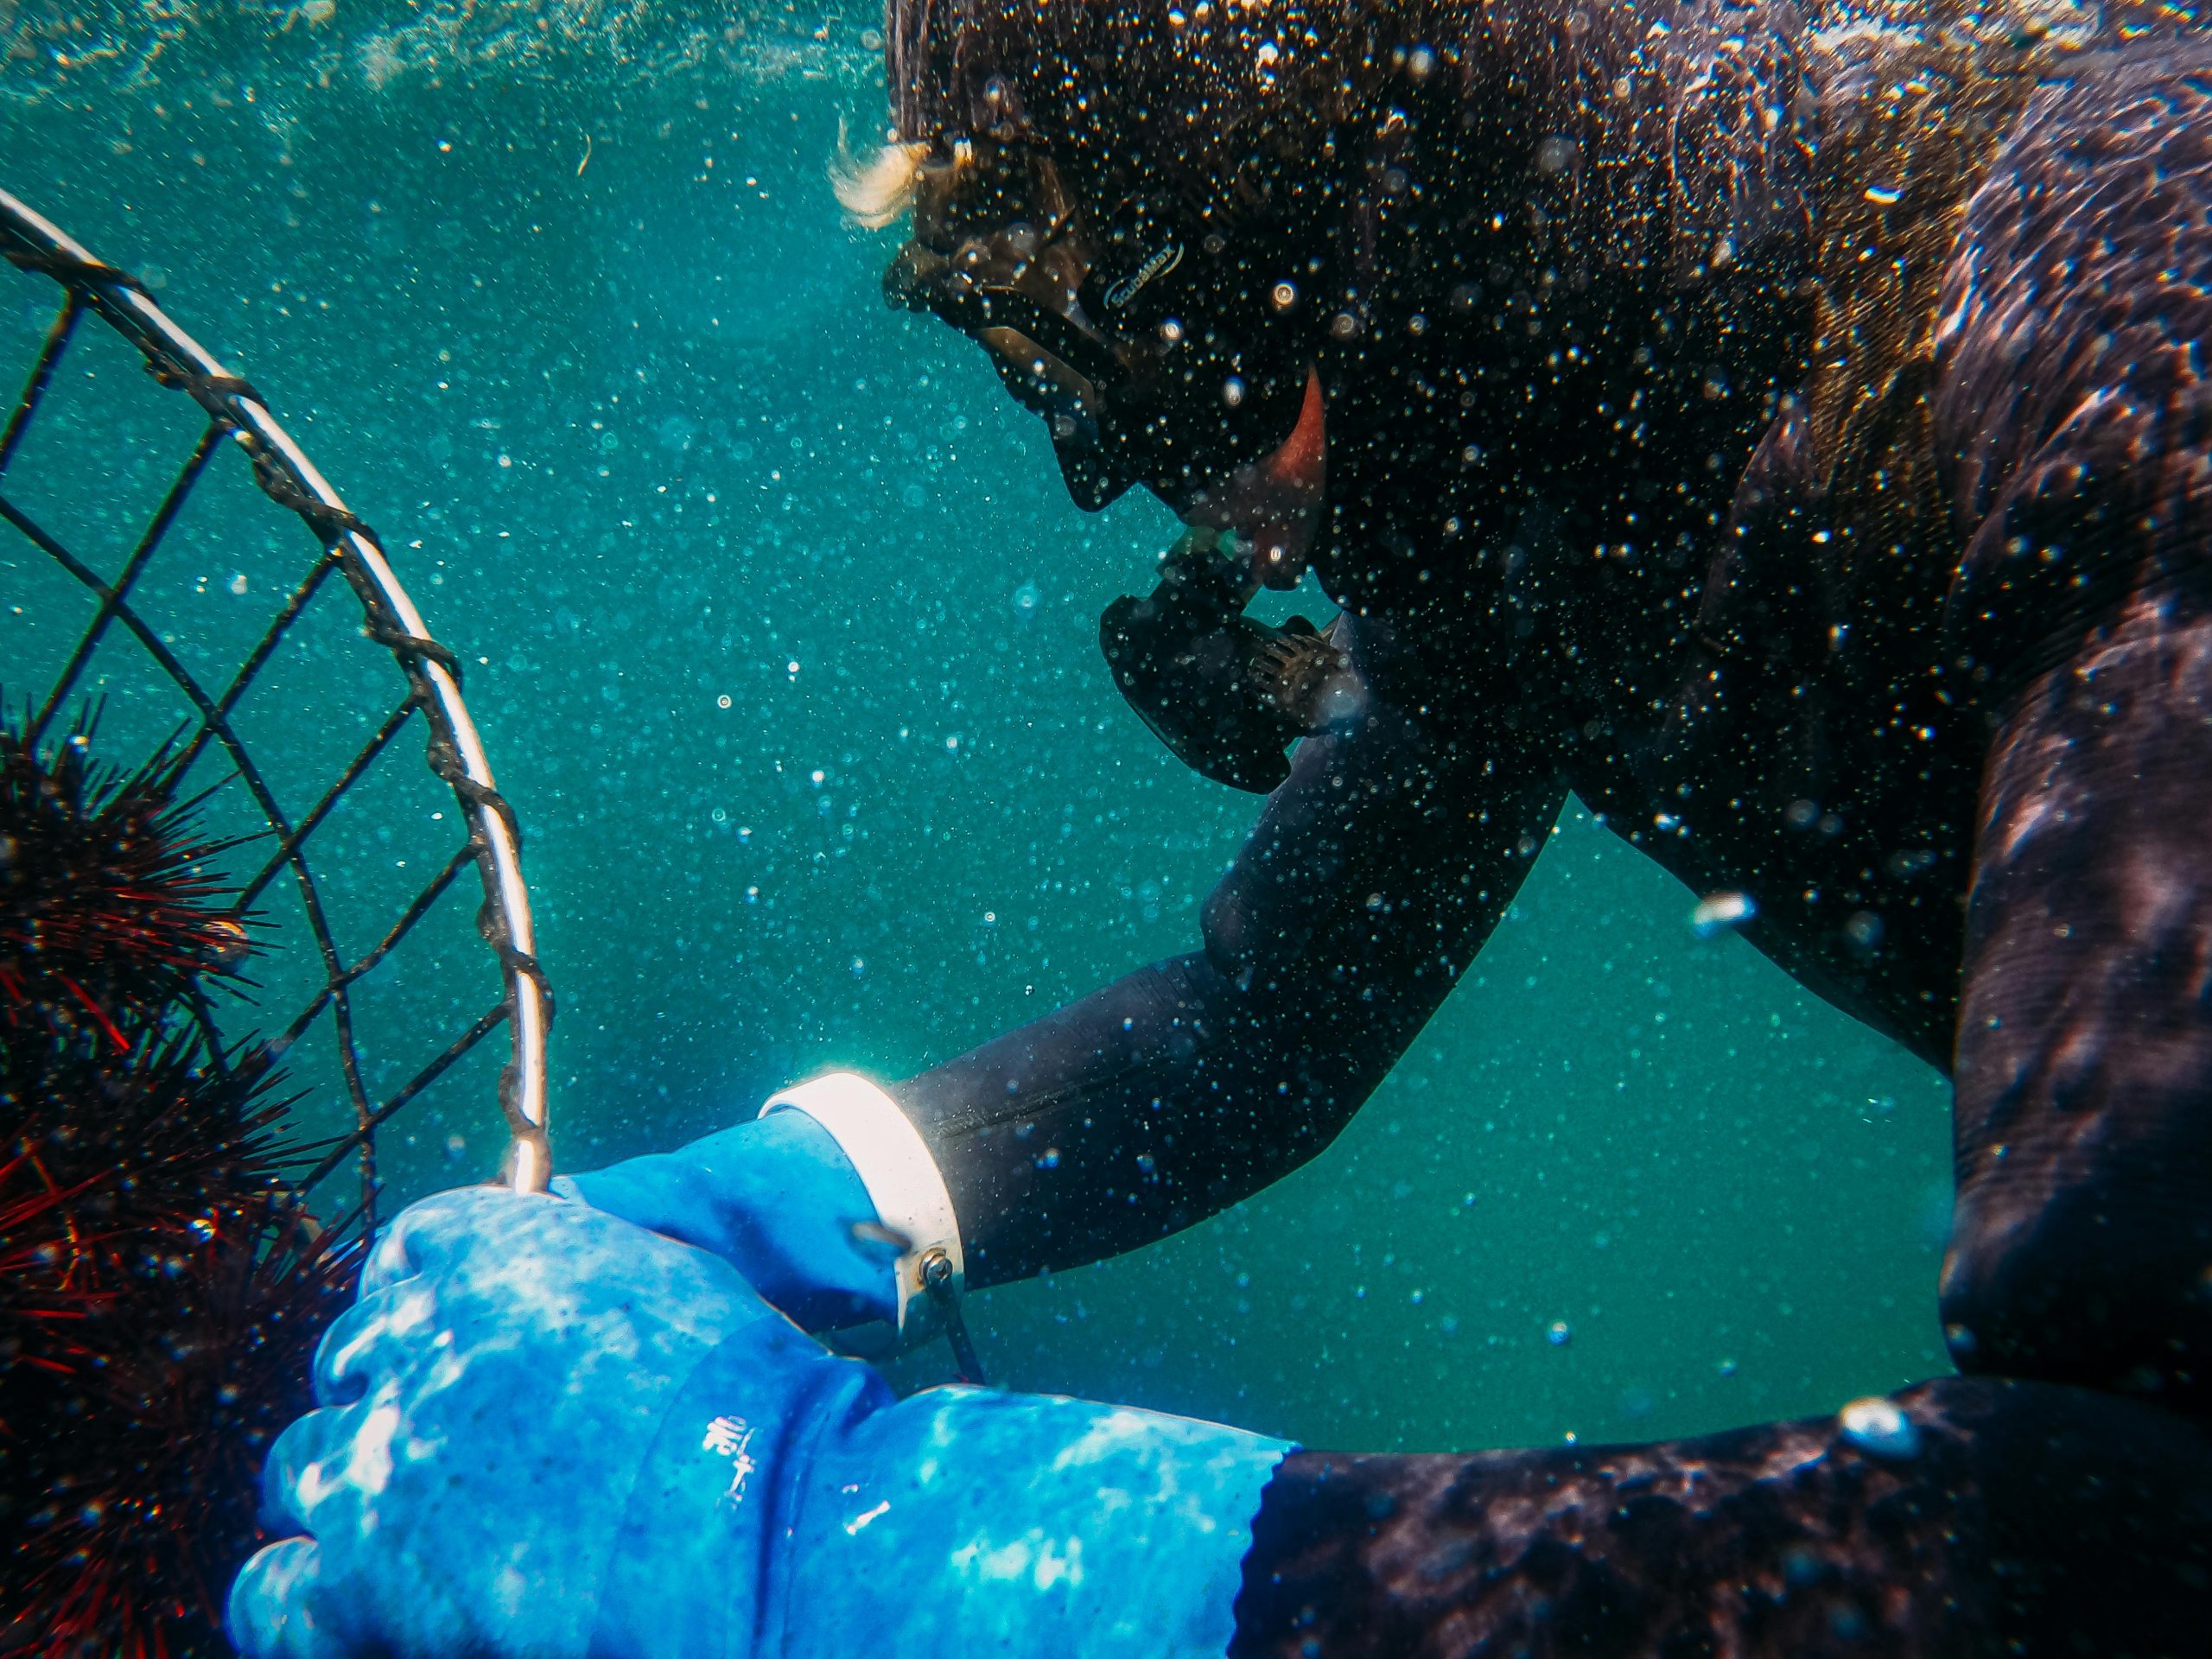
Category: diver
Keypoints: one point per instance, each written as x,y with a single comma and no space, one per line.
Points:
1785,430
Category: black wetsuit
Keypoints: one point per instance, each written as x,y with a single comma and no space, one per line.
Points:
1808,463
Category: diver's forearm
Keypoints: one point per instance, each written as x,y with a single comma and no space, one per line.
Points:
1147,1106
1967,1515
1371,879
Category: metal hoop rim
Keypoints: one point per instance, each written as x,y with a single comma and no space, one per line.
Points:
28,238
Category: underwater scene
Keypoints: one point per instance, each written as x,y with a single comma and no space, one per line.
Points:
594,329
780,624
797,693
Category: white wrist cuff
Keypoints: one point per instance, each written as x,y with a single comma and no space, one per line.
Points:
894,1165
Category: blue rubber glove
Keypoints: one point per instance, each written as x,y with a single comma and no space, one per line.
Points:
775,1199
547,1434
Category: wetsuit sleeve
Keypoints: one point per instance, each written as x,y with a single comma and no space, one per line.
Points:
1968,1516
1375,873
2074,398
2057,1515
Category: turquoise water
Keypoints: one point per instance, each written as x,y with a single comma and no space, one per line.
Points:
573,308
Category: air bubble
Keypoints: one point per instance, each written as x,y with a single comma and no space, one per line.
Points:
1716,912
1558,154
1879,1428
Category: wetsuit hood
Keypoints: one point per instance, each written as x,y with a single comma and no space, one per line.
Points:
1126,205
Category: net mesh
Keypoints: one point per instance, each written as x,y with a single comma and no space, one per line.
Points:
370,979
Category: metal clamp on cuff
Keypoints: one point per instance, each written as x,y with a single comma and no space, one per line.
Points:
894,1165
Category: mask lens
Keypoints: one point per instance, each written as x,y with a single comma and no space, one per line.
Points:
1068,400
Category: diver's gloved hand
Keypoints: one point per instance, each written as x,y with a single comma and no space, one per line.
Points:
547,1434
829,1204
777,1200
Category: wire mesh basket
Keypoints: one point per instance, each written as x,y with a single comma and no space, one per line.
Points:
149,568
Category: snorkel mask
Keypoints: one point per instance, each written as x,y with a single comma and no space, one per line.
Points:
1228,693
1151,359
997,260
1001,252
1152,354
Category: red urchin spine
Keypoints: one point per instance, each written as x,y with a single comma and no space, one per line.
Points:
106,896
162,1286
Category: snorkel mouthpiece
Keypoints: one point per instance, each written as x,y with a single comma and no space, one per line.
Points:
1226,693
